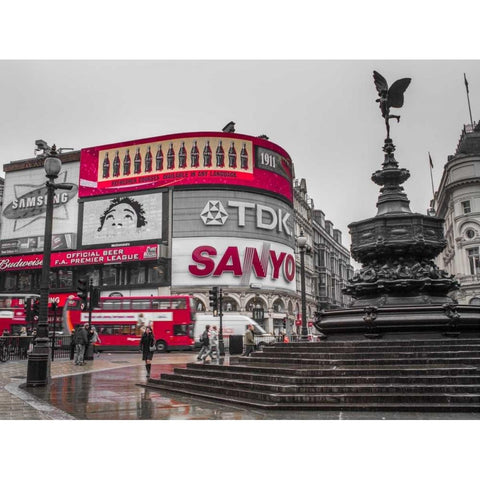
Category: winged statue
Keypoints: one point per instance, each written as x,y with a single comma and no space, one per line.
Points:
390,97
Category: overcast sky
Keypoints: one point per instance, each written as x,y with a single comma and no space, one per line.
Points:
322,112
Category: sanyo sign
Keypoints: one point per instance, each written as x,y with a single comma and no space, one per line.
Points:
234,262
266,218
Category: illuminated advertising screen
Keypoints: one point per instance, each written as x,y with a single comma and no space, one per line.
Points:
202,158
232,213
121,219
233,262
24,207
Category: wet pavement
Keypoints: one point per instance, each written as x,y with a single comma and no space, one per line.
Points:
107,389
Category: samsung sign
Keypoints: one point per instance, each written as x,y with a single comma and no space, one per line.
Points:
232,214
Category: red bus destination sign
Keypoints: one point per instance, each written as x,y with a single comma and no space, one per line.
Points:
205,158
82,257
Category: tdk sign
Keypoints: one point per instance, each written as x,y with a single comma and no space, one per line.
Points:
266,218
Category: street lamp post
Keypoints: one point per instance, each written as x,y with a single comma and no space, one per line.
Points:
302,243
38,368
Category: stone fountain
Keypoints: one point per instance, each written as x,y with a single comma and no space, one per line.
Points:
399,289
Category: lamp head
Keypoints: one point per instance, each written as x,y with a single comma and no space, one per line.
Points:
301,240
52,164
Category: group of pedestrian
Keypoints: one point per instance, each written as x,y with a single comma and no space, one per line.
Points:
82,337
209,341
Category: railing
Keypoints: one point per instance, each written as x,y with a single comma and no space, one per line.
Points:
18,348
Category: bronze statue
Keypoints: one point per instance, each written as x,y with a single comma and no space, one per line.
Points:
390,97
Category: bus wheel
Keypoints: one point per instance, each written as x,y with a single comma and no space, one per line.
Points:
161,347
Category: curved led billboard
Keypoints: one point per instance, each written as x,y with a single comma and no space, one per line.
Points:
200,158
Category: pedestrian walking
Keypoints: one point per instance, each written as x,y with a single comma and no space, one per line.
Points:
213,349
147,347
249,341
205,341
95,339
81,341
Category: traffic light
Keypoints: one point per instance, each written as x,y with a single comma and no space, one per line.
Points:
94,297
35,310
27,308
284,323
213,296
82,289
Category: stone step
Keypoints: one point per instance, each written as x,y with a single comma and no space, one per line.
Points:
264,358
371,406
304,371
375,343
363,350
321,398
333,380
325,388
365,354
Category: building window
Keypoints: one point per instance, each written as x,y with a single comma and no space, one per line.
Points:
474,301
278,306
199,306
470,233
474,260
137,275
466,206
229,305
156,274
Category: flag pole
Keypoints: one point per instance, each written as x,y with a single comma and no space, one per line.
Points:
468,99
431,174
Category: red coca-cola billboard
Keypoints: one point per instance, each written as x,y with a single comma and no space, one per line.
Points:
200,158
81,257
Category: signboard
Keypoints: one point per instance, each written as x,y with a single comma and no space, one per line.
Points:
232,214
205,158
82,257
24,206
228,261
129,218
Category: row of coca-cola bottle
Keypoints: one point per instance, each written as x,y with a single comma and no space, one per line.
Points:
149,165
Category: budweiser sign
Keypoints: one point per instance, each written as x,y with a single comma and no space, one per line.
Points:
20,262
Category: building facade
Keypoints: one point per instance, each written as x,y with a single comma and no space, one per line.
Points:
457,201
176,214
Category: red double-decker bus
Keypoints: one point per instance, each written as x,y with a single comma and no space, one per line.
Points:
12,312
120,321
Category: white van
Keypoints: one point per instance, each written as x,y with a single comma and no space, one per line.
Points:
231,325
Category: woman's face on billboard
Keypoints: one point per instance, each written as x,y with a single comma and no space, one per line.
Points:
120,216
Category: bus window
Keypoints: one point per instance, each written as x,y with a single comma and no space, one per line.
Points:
112,305
180,304
125,329
140,305
180,329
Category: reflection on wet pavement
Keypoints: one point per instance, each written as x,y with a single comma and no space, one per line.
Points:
114,395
